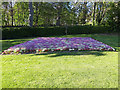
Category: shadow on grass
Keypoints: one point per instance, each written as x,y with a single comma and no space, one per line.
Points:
9,43
72,53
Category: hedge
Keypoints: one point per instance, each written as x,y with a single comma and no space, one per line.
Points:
22,32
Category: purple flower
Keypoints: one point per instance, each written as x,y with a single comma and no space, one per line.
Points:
55,43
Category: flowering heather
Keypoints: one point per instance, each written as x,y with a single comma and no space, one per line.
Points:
44,44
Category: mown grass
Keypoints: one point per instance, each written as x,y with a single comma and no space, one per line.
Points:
84,69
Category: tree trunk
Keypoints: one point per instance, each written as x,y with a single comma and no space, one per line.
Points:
7,20
84,13
94,13
58,20
78,20
59,8
30,14
36,4
18,21
100,14
11,12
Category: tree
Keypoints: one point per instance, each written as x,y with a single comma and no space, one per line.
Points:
94,13
59,10
83,20
30,14
11,12
113,16
102,8
36,12
5,14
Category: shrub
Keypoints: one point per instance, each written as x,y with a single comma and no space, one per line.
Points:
21,32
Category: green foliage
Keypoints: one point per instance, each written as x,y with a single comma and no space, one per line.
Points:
31,32
65,13
87,29
21,32
113,16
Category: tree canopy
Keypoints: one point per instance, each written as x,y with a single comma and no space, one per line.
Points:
60,13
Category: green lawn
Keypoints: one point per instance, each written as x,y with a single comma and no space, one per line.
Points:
83,69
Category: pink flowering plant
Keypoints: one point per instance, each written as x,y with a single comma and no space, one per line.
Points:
45,44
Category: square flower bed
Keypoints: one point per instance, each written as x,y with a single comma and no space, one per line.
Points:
45,44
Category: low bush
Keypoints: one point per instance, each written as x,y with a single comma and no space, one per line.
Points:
22,32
